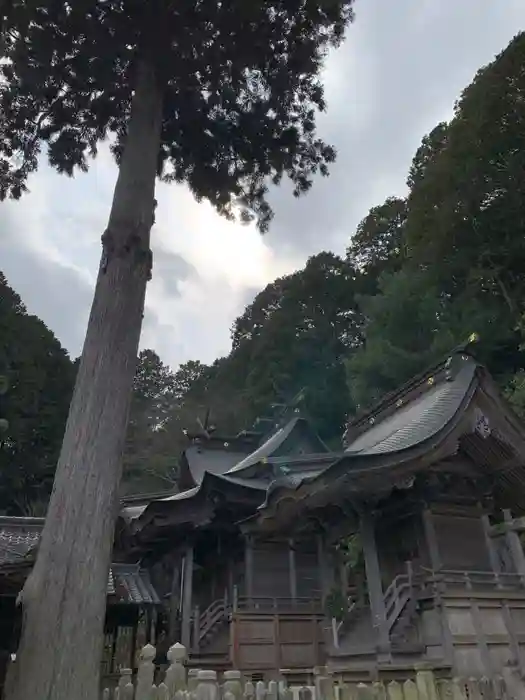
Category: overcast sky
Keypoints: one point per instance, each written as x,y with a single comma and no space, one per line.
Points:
403,65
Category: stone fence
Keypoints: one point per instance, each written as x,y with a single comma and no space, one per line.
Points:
204,685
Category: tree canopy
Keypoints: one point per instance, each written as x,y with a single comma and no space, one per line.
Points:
240,84
41,377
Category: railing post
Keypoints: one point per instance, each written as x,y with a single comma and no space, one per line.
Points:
235,598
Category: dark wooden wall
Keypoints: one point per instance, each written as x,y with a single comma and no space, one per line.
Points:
461,542
271,572
308,571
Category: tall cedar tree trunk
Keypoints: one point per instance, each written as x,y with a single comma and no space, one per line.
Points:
64,599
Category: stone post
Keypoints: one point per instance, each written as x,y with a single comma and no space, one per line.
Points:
176,673
145,673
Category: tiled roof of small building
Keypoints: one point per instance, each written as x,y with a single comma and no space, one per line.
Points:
132,585
18,536
128,583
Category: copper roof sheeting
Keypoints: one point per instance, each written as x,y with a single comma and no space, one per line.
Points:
417,420
276,441
215,461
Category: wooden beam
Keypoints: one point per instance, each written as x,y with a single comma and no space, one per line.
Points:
373,577
431,540
489,542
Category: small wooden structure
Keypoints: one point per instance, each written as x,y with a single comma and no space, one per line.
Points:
133,606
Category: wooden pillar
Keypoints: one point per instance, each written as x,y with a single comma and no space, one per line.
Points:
431,540
196,628
154,625
187,587
231,578
292,571
175,602
373,578
248,565
489,542
514,544
323,569
134,655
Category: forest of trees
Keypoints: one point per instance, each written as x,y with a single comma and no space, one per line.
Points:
419,275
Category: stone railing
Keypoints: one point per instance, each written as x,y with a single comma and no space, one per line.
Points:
204,685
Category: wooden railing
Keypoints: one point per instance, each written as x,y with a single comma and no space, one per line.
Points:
220,610
215,613
275,604
476,579
408,587
398,594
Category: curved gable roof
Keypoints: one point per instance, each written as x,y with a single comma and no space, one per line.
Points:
276,445
214,461
419,419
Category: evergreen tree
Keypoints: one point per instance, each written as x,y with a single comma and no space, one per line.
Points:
467,205
294,337
40,376
146,467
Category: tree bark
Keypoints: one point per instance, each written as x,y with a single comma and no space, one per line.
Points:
64,599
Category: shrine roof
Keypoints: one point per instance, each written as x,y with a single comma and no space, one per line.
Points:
293,447
217,460
272,446
432,416
417,416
